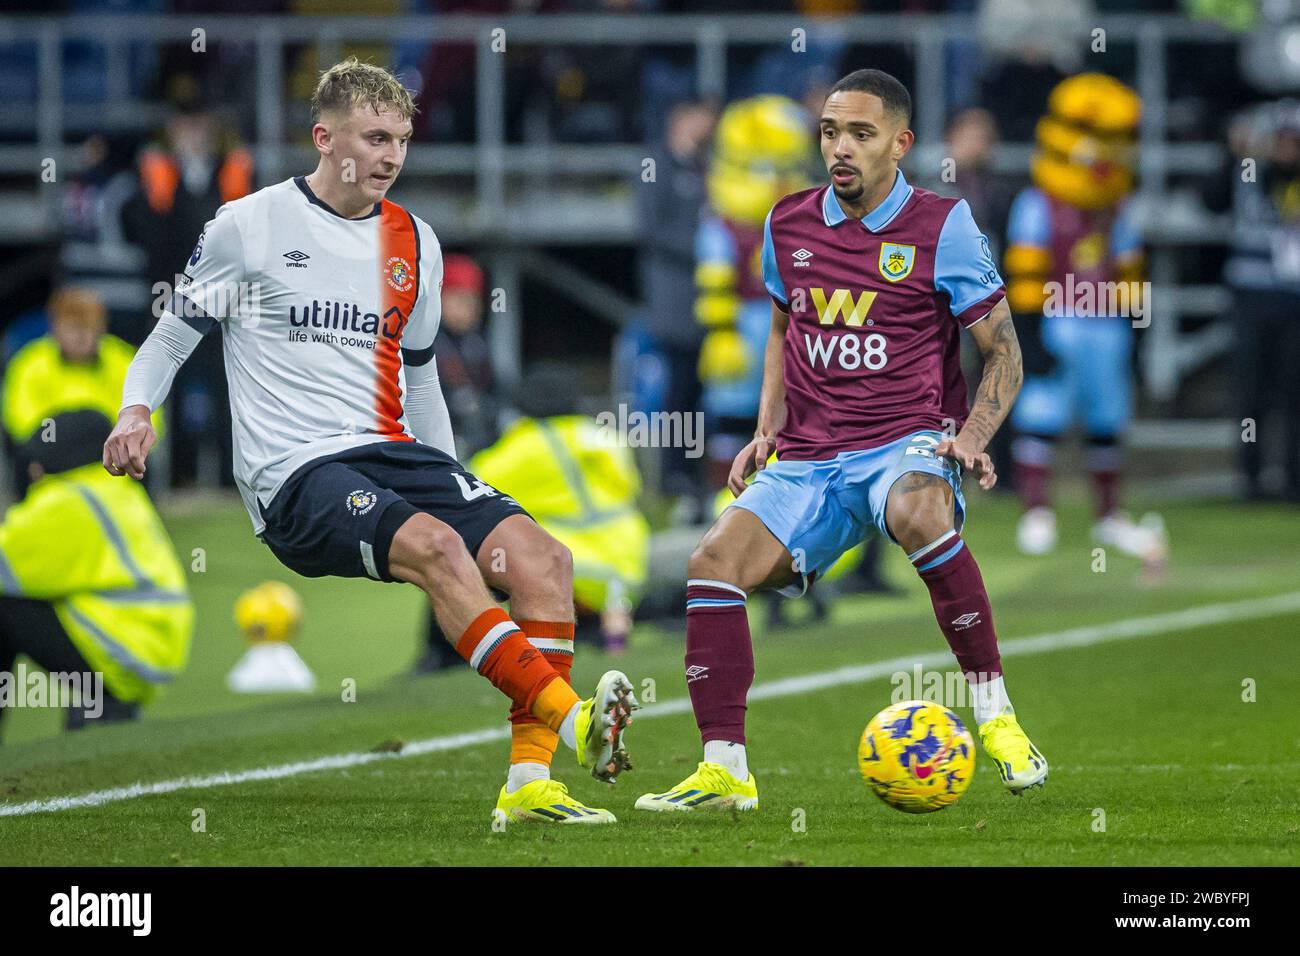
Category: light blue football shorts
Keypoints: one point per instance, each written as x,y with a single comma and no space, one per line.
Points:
820,509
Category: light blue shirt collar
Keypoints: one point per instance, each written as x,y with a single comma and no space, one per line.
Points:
878,218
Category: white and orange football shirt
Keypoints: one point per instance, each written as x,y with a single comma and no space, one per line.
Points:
320,316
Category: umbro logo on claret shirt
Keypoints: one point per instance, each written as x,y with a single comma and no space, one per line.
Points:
801,257
296,259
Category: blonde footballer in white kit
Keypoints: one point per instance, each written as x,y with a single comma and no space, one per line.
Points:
326,295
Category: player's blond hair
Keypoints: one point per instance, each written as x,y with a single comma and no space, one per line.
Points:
351,83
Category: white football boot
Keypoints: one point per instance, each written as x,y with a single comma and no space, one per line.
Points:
1145,540
1036,532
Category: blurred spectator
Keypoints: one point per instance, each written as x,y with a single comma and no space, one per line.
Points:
590,95
89,250
89,580
185,176
962,60
94,253
811,70
77,365
1029,46
969,141
669,213
464,361
1263,273
447,76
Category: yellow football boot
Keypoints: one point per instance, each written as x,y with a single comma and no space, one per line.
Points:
547,801
1019,763
711,787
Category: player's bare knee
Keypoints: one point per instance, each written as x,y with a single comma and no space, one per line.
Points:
551,572
537,573
919,510
916,526
560,561
440,553
925,529
712,561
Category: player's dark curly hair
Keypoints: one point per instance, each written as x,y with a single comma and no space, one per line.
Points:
878,83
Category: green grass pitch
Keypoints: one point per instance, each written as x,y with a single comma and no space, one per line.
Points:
1156,758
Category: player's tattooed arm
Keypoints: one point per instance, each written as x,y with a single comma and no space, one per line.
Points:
995,335
1003,375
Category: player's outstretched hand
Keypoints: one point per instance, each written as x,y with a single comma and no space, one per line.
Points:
752,458
978,463
129,443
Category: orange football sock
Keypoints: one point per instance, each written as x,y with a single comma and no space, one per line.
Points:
553,703
496,647
532,741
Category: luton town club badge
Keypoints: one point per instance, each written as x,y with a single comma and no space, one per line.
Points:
359,502
398,272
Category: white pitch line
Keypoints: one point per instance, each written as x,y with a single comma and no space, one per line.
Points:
1128,629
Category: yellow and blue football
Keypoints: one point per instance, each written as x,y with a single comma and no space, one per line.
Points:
917,756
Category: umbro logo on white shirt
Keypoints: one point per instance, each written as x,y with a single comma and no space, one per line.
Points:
296,259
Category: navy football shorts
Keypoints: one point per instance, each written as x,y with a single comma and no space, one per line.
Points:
337,515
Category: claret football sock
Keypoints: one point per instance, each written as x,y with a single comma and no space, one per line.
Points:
531,740
719,658
1102,457
961,605
1032,458
496,647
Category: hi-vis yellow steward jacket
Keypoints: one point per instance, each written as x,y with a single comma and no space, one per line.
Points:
94,547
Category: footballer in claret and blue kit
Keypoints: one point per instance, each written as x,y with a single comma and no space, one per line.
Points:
872,281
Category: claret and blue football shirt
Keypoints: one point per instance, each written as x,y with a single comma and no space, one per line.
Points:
872,350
